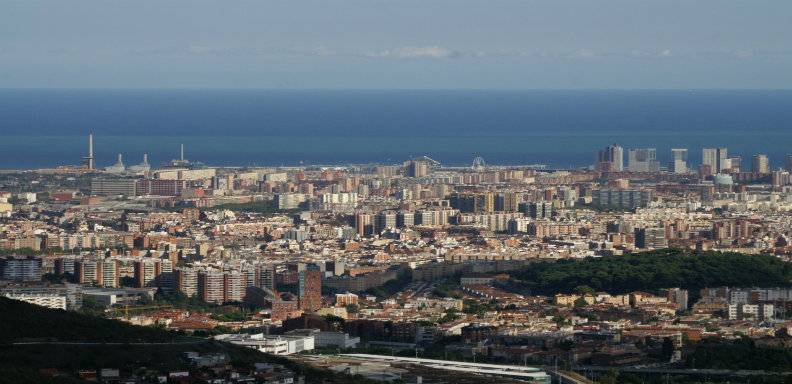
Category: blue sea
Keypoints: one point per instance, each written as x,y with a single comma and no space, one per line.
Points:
45,128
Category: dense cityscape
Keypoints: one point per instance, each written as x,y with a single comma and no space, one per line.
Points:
624,271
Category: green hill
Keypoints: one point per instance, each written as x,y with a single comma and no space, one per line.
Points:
654,270
34,338
22,321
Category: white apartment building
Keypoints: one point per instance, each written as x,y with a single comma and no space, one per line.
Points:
274,344
42,299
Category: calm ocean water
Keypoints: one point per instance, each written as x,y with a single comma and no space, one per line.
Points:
42,128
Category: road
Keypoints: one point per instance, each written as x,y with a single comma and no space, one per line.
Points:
672,371
568,377
105,343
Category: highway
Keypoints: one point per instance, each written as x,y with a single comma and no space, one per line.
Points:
675,371
533,374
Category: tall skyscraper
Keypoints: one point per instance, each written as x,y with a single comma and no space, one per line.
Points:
416,168
146,272
507,201
266,276
735,163
716,158
709,156
704,171
483,202
611,159
642,160
186,280
384,220
310,288
760,163
788,162
723,160
211,285
679,157
364,224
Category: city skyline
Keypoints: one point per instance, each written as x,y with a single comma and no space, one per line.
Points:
612,158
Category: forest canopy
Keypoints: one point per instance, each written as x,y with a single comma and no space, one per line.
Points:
653,270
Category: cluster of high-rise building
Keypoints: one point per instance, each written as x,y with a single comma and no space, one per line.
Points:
713,161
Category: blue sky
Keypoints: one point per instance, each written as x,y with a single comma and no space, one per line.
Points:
498,44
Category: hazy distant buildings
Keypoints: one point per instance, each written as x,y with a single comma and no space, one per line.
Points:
507,201
537,210
780,178
621,198
642,160
290,200
704,171
141,168
114,187
610,159
716,158
416,168
483,202
158,187
709,157
760,163
679,158
735,164
118,167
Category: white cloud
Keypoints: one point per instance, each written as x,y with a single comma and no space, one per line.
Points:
743,54
584,52
437,52
201,49
431,52
323,51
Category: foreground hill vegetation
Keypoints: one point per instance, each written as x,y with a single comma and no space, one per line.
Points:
22,322
653,270
35,338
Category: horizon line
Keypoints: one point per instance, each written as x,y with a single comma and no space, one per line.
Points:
380,89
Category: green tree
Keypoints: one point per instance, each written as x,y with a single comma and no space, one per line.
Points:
92,306
667,348
612,377
583,290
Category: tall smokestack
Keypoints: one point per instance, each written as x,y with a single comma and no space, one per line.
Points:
181,152
90,152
